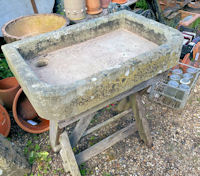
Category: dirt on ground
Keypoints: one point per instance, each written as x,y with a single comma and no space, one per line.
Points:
175,151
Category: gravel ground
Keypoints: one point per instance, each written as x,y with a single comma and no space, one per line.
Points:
176,149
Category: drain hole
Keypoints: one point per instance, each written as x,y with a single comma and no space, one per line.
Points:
41,63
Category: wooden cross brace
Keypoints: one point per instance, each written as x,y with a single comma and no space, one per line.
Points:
61,141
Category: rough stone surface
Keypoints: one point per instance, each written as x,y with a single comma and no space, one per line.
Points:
57,102
12,159
85,59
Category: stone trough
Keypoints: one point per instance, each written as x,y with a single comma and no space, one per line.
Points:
66,72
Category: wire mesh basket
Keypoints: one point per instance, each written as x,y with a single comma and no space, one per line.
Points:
174,96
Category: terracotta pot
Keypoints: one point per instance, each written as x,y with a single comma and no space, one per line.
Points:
21,115
186,60
4,122
8,89
32,25
105,3
119,1
75,9
184,14
194,5
26,109
190,21
93,7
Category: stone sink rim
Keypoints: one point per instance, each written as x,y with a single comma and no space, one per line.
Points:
16,45
32,84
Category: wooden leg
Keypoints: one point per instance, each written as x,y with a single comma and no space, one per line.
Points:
80,129
105,143
54,134
67,154
141,122
123,105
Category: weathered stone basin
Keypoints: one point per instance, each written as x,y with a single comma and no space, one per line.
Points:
67,72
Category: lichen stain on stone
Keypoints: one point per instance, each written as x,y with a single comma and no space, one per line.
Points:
113,87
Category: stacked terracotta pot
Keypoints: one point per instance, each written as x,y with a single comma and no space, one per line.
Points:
8,89
95,6
76,9
12,97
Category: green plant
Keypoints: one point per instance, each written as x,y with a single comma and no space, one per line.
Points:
84,171
4,69
196,24
92,140
106,174
141,4
42,158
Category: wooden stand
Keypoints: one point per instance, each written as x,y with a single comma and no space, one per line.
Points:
61,141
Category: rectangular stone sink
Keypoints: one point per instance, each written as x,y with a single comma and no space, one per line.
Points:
67,72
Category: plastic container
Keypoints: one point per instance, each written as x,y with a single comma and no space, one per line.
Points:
170,88
192,70
177,71
184,87
187,75
171,93
175,77
185,81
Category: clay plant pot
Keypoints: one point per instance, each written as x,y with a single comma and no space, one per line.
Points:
189,22
119,1
184,14
4,122
93,7
194,5
32,25
23,111
75,9
105,3
8,89
186,60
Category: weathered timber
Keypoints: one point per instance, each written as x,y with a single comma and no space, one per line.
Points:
67,154
113,119
105,143
65,165
80,129
54,133
123,105
141,122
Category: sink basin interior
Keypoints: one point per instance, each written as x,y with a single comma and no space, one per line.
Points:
79,61
80,52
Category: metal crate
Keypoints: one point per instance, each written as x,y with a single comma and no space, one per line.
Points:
172,97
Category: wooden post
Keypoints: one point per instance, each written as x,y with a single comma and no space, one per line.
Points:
67,154
80,129
141,122
54,134
34,6
105,143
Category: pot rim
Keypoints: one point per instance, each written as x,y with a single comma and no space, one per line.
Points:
12,88
5,34
16,117
120,1
2,109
